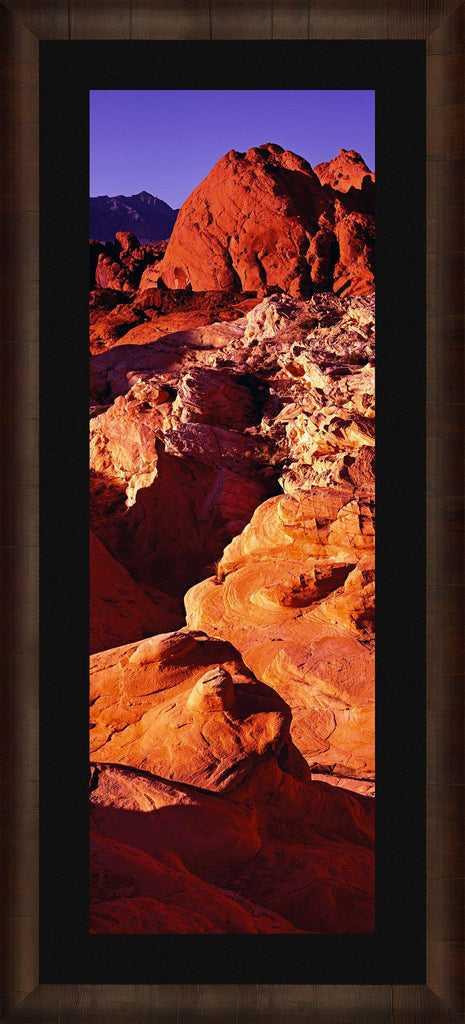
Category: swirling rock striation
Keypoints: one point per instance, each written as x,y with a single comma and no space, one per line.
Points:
202,817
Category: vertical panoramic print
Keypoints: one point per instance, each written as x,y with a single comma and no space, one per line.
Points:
232,432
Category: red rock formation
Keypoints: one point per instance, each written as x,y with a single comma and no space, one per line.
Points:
280,856
134,892
120,610
205,807
294,592
354,270
239,454
128,241
106,326
262,220
347,170
207,729
120,265
119,318
150,455
164,443
296,598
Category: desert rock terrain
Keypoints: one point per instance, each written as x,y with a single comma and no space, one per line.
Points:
232,512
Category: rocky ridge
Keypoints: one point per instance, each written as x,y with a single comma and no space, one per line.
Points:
148,217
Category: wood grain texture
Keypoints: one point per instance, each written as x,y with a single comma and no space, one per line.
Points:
417,19
266,1004
22,567
340,20
23,236
447,36
48,20
443,141
444,554
170,19
94,1003
15,42
20,172
19,91
445,818
444,194
156,1002
444,653
100,19
20,318
417,1003
22,967
445,88
440,23
37,1007
347,1003
445,360
444,926
444,692
445,973
53,20
19,514
444,438
290,20
444,279
242,20
207,1004
445,483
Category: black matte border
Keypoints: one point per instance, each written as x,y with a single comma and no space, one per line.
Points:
396,953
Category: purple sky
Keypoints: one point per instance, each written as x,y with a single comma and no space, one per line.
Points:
166,142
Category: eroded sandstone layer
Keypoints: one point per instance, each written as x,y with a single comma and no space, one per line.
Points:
213,421
204,817
232,510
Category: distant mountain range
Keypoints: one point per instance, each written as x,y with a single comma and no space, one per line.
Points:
148,217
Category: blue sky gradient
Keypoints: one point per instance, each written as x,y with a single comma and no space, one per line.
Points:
166,142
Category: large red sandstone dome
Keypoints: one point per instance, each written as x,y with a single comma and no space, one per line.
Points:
262,220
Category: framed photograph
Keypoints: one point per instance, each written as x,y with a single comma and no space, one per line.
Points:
375,934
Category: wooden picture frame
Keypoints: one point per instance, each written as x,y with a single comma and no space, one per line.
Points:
441,24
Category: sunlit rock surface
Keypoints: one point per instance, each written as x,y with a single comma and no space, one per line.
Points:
204,816
347,170
211,437
156,707
232,466
261,220
295,594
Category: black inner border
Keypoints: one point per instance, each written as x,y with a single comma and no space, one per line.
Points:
396,70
